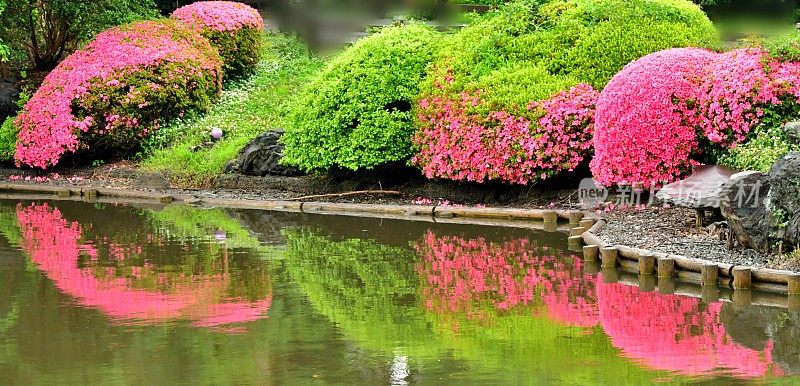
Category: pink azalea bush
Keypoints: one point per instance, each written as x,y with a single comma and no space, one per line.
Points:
116,90
641,135
235,29
457,140
671,109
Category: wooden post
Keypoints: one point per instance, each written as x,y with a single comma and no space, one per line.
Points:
90,194
666,267
591,267
794,283
742,299
794,303
710,294
710,274
647,283
610,275
587,223
550,217
647,264
700,218
591,252
578,231
742,278
575,243
575,217
609,256
666,285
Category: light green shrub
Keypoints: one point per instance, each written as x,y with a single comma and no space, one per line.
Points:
357,112
8,140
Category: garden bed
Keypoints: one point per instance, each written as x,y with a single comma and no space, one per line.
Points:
673,231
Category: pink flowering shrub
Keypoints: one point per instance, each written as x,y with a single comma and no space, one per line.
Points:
641,135
116,90
235,29
457,140
675,108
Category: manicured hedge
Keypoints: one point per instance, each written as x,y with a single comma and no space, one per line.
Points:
676,108
120,87
235,29
356,113
532,67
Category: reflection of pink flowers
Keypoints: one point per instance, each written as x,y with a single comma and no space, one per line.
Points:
675,333
460,274
54,245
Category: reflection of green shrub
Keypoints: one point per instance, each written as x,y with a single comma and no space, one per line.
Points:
366,288
357,112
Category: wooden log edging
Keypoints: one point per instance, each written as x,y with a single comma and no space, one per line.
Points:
699,271
451,214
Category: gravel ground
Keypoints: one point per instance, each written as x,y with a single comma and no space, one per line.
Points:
674,231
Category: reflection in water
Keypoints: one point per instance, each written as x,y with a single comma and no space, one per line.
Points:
116,295
116,278
666,332
676,333
461,273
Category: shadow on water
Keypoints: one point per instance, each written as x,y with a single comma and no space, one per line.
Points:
119,294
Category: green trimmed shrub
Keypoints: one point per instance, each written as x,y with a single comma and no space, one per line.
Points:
8,140
589,40
233,28
357,112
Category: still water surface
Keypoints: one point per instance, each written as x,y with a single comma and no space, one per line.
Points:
108,294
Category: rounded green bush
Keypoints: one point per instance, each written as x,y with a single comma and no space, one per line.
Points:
588,40
8,140
357,112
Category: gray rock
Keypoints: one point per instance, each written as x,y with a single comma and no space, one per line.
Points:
156,181
261,157
743,203
701,190
792,131
784,198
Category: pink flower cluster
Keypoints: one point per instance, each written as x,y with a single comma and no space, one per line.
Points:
457,143
654,115
220,16
49,126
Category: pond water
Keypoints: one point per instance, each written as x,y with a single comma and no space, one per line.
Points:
112,294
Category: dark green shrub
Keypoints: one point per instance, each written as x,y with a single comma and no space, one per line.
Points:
357,112
235,29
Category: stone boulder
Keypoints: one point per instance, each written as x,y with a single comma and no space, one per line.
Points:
792,131
743,203
261,157
784,197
